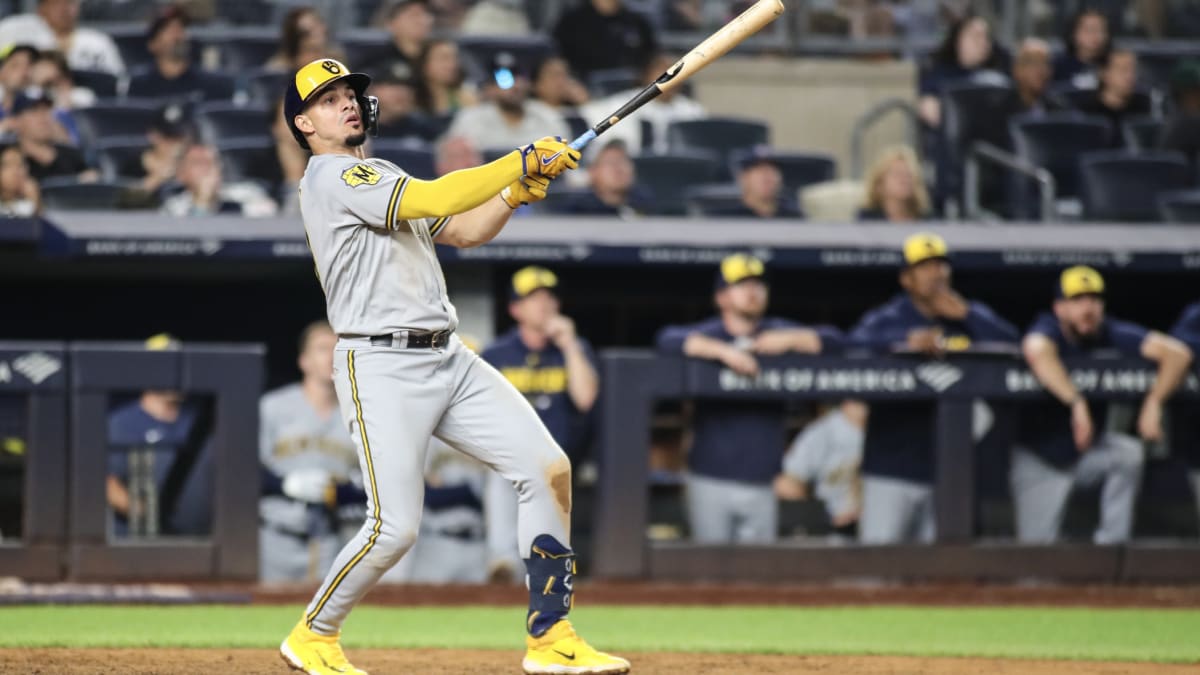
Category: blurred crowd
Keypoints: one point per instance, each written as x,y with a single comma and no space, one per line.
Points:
180,115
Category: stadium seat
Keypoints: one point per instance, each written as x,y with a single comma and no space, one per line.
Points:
1182,207
719,136
1117,185
250,159
121,157
131,43
970,113
1055,142
799,169
226,121
69,194
704,200
265,86
360,45
240,53
670,176
110,118
210,86
577,124
1078,97
417,159
99,82
1142,133
609,81
479,50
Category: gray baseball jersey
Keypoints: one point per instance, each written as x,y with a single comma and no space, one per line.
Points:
381,278
829,451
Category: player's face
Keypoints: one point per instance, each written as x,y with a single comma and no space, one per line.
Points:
926,279
1082,314
612,171
747,298
335,118
761,181
316,361
536,309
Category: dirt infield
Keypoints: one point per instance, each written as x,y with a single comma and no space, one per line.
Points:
383,662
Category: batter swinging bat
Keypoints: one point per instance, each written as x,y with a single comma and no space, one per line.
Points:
714,46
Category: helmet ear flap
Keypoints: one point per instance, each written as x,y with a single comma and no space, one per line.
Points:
370,108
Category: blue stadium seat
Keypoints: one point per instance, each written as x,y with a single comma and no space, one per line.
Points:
799,169
251,159
479,49
1078,97
121,157
417,159
719,136
1117,185
670,176
265,86
718,198
577,124
101,83
218,122
360,45
68,194
970,113
1182,207
242,52
115,118
131,43
1056,141
612,80
210,86
1142,133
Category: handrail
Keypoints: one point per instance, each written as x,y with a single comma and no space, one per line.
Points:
869,119
982,150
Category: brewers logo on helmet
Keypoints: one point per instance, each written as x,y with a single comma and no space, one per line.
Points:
312,79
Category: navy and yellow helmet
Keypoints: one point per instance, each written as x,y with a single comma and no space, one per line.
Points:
315,77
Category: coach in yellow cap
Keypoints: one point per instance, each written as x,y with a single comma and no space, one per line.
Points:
1064,442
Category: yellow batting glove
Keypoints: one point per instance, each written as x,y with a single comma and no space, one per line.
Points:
526,190
549,157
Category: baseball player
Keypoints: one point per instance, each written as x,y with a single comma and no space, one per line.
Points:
555,368
303,444
401,373
737,446
828,452
930,318
1185,437
1066,443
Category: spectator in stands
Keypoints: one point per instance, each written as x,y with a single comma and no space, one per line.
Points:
16,75
410,22
506,114
45,143
604,34
1086,47
554,86
306,451
399,114
441,88
737,447
1031,80
303,38
761,185
1067,441
496,18
51,74
161,450
169,136
555,368
828,453
1182,129
928,318
613,188
895,189
672,106
205,193
454,153
19,193
173,75
968,54
684,15
1117,97
293,160
54,27
1185,439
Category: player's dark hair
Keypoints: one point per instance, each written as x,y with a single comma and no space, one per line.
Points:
310,330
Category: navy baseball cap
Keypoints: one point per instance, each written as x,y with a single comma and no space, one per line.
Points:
759,154
739,267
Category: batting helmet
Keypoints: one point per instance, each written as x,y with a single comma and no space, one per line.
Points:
313,78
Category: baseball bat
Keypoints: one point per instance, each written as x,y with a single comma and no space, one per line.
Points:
714,46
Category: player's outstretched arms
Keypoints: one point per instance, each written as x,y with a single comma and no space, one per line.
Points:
482,223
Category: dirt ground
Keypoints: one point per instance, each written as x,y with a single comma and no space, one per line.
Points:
384,662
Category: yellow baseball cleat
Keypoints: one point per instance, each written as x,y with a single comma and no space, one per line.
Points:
560,650
315,654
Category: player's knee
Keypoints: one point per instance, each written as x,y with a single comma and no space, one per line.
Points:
1128,457
390,546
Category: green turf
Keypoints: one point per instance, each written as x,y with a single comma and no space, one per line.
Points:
1059,633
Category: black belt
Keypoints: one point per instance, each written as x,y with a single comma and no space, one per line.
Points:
410,339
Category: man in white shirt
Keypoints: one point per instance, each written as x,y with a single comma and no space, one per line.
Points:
54,26
507,115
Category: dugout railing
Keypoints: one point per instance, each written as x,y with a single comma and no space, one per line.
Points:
635,379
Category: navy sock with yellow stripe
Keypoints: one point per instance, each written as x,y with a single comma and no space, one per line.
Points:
551,578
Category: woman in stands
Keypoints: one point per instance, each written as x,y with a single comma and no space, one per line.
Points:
1086,45
895,190
968,54
19,194
554,86
303,38
441,84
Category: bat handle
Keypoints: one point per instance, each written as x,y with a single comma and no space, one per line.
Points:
583,140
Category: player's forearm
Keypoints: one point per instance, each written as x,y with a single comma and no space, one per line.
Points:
118,495
1049,369
459,191
583,384
1173,360
703,347
477,226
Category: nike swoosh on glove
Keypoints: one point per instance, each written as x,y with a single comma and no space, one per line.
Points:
549,157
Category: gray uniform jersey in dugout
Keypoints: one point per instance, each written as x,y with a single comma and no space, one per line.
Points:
380,274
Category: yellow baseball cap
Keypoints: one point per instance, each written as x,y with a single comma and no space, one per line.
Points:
310,80
1079,280
162,342
530,279
739,267
924,246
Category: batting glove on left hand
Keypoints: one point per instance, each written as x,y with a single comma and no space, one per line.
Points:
549,157
525,190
